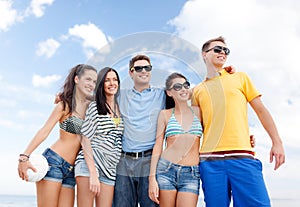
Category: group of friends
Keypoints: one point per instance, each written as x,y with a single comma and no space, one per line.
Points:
142,145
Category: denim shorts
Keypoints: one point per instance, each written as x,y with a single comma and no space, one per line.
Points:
59,169
182,178
81,169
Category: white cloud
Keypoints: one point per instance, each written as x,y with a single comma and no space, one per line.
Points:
93,38
37,7
47,48
6,123
38,81
8,15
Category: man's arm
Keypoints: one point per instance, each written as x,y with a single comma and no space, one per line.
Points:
266,119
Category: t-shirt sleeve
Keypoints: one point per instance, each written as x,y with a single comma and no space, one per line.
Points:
249,89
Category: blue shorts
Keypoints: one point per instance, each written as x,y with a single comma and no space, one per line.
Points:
181,178
59,169
81,169
240,178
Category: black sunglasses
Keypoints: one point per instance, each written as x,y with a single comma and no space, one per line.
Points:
178,86
218,49
138,69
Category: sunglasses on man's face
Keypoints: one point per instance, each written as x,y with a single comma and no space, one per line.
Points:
139,69
178,86
219,49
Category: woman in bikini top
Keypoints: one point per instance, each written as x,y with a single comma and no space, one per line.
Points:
57,187
176,149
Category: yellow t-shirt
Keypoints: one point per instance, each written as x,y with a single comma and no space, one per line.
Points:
223,102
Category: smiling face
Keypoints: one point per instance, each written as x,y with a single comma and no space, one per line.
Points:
179,94
86,83
141,79
214,58
111,84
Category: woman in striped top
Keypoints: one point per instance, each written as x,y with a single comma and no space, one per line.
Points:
95,167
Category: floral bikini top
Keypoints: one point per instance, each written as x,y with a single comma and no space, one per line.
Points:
174,128
72,125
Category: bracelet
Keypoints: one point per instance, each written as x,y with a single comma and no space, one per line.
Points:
24,155
23,160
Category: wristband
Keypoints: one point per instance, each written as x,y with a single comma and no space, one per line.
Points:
24,155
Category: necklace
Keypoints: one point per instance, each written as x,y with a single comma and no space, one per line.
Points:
115,117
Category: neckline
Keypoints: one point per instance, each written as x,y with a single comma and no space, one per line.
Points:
190,127
219,74
115,115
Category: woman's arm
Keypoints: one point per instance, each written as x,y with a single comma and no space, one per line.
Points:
153,190
89,158
39,137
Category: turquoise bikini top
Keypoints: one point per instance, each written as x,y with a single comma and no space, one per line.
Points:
174,128
72,125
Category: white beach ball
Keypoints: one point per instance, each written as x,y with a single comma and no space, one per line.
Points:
41,165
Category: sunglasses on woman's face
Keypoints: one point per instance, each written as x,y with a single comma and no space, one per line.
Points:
178,86
139,69
219,49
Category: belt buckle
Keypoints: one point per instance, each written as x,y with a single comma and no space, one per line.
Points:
136,156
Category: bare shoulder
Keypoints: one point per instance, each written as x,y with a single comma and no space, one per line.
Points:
165,114
60,106
61,109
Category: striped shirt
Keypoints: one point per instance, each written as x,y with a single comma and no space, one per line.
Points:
105,138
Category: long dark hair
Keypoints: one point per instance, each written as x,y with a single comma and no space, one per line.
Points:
170,103
67,93
100,93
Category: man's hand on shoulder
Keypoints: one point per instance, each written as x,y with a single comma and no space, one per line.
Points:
230,69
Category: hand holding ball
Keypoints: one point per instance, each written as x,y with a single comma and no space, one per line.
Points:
41,165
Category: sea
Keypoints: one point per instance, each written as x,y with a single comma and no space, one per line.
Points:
30,201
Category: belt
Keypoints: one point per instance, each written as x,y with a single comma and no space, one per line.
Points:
137,155
227,155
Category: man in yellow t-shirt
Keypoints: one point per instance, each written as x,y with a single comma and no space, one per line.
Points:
228,167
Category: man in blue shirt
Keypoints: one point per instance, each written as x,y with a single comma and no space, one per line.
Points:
139,107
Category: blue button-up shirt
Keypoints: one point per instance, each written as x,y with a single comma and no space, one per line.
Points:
140,112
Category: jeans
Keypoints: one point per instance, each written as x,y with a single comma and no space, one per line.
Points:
132,182
60,170
81,169
171,176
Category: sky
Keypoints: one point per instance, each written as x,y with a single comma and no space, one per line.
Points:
41,40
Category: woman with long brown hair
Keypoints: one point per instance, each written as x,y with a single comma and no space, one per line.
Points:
57,187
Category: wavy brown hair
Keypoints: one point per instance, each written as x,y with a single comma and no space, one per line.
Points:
68,89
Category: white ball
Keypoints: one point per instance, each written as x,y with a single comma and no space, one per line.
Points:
41,165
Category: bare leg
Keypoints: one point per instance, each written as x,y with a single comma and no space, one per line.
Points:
186,199
85,198
48,193
66,197
167,198
105,198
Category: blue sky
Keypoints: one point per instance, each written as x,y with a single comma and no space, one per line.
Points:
42,39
